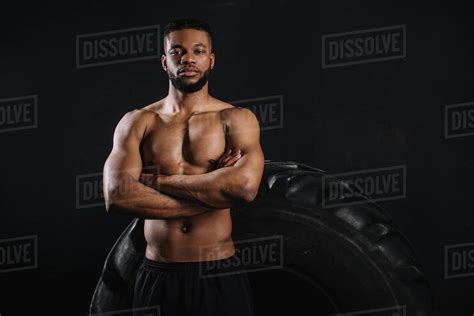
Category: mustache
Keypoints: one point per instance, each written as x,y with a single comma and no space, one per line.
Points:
188,69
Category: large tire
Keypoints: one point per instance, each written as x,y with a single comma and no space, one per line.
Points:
114,291
348,259
352,258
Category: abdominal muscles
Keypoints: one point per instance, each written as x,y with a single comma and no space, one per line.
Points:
198,238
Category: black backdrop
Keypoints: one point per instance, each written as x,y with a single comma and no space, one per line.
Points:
340,119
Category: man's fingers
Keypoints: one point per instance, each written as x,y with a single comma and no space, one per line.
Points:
219,160
146,178
233,160
226,160
222,159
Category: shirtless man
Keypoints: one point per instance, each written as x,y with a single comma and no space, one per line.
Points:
206,158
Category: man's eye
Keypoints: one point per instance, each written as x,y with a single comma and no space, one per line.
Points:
201,51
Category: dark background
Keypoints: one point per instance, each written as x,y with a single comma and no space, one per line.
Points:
339,119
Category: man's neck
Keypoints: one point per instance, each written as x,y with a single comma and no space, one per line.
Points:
179,102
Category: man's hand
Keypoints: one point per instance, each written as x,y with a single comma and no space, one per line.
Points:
148,179
228,159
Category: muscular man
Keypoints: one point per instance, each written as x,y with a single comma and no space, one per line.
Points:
182,163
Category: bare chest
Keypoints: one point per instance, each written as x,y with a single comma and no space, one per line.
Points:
184,146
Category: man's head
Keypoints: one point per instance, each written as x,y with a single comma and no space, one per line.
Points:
188,57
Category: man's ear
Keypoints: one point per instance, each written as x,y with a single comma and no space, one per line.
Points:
213,60
163,62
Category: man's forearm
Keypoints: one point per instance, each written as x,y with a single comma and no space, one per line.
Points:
220,188
134,198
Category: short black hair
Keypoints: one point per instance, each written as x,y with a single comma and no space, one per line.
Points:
187,23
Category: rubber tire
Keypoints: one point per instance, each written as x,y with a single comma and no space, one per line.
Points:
352,257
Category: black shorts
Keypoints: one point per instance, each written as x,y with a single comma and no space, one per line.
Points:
189,288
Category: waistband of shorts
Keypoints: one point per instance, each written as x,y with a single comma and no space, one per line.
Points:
184,266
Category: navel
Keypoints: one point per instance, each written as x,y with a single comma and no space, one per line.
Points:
185,227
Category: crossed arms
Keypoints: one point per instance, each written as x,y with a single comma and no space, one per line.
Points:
175,196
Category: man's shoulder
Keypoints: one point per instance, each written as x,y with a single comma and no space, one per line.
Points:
236,117
237,113
136,117
230,111
139,117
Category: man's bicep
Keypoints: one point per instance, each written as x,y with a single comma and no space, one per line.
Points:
244,134
125,161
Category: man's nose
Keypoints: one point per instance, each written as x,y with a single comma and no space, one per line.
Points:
188,58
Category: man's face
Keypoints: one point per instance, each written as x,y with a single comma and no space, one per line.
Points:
188,59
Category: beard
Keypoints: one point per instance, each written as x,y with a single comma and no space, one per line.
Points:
180,85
